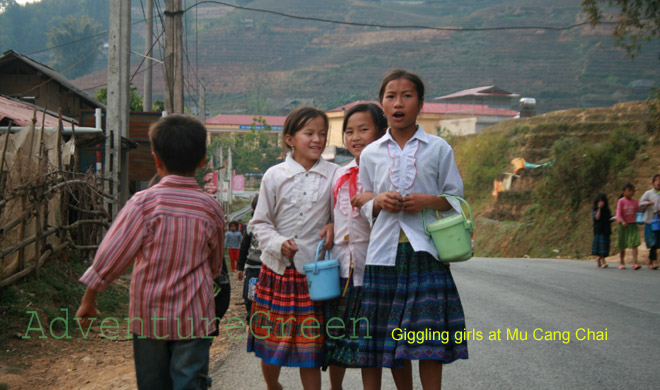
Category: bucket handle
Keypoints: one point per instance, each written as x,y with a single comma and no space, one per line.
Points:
316,258
470,224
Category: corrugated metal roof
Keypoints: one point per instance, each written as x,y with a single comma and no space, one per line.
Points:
244,120
11,55
21,113
447,108
489,90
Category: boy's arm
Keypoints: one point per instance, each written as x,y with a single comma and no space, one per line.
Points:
118,248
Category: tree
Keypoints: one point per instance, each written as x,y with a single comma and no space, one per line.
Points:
75,59
638,21
135,98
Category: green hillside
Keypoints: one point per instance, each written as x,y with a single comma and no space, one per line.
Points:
547,211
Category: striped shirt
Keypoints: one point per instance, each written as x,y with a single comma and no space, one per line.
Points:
173,233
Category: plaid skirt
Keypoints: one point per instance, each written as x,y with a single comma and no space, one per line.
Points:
286,327
601,245
412,311
343,337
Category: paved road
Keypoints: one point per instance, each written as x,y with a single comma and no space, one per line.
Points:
541,298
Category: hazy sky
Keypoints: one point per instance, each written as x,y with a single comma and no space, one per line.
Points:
26,1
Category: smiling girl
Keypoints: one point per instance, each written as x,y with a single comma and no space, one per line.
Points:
292,215
406,286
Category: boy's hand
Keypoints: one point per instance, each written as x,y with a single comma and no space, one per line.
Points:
289,249
87,309
360,199
328,233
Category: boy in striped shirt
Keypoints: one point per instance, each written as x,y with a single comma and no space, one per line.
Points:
173,234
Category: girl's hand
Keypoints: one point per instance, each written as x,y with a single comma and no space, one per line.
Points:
624,223
601,204
360,199
328,233
390,201
417,202
289,249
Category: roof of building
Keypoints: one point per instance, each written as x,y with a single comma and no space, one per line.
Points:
244,120
21,113
10,55
489,90
446,108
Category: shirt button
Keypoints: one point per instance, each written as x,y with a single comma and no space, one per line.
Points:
301,214
304,193
296,236
306,174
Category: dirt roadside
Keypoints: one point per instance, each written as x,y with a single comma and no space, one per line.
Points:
93,363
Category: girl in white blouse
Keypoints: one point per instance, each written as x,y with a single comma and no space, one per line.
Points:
292,215
363,124
407,290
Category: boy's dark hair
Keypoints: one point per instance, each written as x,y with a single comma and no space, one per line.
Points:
233,223
377,115
655,177
179,141
299,118
402,74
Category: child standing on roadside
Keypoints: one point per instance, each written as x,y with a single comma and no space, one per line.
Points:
650,203
293,214
172,233
406,286
363,124
628,233
601,216
233,244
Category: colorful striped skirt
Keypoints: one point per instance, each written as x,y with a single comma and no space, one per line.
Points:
413,311
601,245
286,327
342,317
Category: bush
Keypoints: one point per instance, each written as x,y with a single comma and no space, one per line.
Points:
579,170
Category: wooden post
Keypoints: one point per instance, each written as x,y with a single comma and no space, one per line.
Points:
21,234
173,57
4,154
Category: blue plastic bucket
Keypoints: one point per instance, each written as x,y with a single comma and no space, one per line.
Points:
639,218
452,236
322,277
655,224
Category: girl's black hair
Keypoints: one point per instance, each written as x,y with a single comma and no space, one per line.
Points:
297,119
402,74
377,115
627,186
600,197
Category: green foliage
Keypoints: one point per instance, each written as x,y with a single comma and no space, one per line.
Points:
158,106
638,21
75,60
482,159
136,99
654,108
580,169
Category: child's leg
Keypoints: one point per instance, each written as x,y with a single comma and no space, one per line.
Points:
152,363
189,368
622,255
336,374
430,374
403,376
371,377
271,375
310,378
634,253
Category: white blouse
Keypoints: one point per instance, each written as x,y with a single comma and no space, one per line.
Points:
293,204
352,229
425,165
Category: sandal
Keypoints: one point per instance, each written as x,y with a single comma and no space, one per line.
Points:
636,267
604,265
622,267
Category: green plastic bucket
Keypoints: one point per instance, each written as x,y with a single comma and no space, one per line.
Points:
452,236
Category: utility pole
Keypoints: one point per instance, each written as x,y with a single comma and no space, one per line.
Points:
202,102
148,44
173,56
116,167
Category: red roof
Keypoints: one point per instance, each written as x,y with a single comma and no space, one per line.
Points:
489,90
447,108
244,120
21,114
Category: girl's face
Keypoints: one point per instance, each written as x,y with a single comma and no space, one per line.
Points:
401,104
628,193
360,132
232,228
308,142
